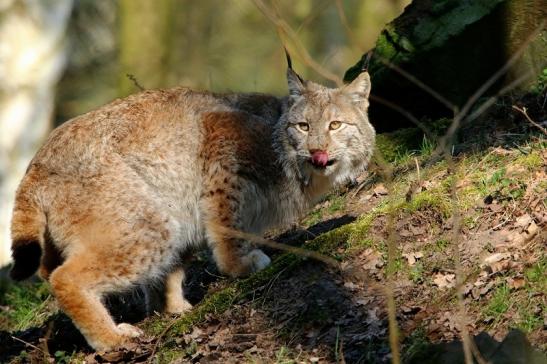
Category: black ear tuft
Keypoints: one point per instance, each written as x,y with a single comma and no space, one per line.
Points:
289,61
366,61
289,65
295,82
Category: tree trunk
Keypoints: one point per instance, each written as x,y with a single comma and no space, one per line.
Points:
32,56
452,46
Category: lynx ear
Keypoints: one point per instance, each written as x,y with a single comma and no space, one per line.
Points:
359,89
295,82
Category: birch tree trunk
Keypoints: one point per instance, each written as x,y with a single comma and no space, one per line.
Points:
32,57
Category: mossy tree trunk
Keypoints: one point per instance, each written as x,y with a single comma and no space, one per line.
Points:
452,46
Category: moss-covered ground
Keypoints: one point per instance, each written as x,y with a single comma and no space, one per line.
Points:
302,310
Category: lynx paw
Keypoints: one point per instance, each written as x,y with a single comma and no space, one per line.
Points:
180,305
129,331
258,260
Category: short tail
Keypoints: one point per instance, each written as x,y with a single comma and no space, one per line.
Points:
27,230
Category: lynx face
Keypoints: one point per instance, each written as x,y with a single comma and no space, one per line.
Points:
327,130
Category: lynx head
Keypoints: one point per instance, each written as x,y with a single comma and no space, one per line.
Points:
326,131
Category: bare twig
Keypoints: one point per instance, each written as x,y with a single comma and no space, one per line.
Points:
29,344
486,105
418,83
238,234
135,81
523,112
345,24
459,115
159,338
394,341
285,31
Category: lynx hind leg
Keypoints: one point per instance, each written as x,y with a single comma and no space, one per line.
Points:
174,295
79,284
118,262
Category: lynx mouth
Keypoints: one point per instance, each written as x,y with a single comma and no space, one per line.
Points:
329,163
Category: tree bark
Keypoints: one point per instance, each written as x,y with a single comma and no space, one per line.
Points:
452,46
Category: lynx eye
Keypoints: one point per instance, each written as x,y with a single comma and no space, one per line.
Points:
335,125
303,126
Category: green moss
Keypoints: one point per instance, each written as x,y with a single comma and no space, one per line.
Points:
536,276
400,143
337,203
499,303
168,355
220,301
359,234
429,199
27,305
532,161
313,217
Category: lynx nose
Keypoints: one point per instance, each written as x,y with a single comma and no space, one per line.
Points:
319,158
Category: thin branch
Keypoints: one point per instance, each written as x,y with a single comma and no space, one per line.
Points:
345,24
238,234
417,82
28,344
135,81
486,105
456,233
523,112
285,30
485,86
405,113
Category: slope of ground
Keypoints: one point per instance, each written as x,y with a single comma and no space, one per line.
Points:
305,310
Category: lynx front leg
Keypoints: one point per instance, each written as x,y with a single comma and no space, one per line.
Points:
230,154
234,257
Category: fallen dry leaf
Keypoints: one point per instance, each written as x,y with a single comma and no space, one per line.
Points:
380,190
495,258
413,257
445,280
516,282
495,207
523,221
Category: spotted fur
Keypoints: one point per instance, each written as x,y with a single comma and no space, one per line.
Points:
116,196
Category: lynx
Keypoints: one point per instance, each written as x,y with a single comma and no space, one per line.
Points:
116,196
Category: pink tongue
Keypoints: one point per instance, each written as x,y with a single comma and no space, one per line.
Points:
319,158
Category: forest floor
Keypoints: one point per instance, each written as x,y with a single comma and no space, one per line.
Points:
301,310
